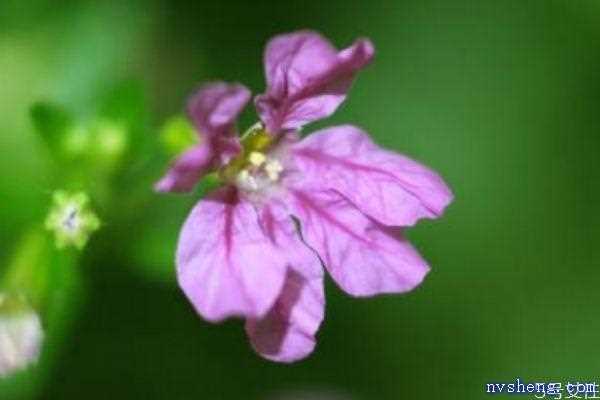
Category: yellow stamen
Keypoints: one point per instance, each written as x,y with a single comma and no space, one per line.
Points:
257,159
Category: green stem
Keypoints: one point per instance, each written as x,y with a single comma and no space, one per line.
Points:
30,270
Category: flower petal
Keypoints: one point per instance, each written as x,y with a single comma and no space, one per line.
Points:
307,79
228,263
287,332
225,264
186,170
363,257
387,186
215,107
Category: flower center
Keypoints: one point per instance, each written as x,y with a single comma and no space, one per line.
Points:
262,171
71,221
254,169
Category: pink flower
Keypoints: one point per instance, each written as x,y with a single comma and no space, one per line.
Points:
256,247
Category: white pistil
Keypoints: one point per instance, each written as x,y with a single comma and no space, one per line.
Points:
246,181
71,221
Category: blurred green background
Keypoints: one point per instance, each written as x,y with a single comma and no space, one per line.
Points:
501,97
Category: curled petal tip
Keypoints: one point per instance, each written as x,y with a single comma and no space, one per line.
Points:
215,106
307,78
163,186
360,54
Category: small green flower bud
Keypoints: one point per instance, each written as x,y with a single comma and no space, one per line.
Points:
177,135
110,138
76,142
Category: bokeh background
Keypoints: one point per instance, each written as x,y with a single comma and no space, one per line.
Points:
501,97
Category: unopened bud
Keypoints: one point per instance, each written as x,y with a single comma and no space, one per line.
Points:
21,335
111,139
177,135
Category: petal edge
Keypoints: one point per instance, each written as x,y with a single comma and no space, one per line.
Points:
387,186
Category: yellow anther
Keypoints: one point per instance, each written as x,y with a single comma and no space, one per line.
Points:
256,158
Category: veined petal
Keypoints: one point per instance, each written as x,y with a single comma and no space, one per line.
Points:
225,264
387,186
215,107
187,170
287,332
307,78
363,257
